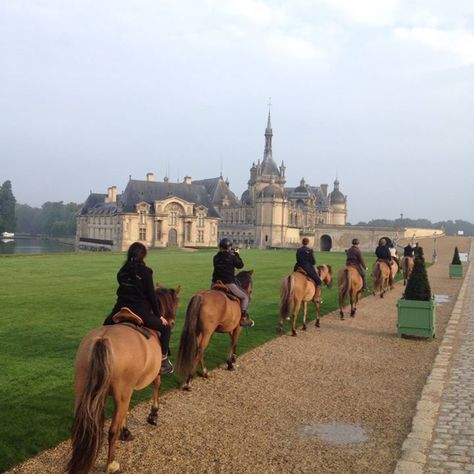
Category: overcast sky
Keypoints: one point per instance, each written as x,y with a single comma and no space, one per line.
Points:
377,93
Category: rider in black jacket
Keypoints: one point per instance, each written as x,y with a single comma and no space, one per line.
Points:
225,262
382,253
136,292
305,260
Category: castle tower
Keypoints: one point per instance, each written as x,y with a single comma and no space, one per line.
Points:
338,203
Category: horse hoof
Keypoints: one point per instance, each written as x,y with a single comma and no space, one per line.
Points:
114,466
293,332
234,358
152,419
230,366
342,318
125,435
187,388
205,375
304,327
317,323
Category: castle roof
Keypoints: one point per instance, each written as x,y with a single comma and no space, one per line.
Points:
151,191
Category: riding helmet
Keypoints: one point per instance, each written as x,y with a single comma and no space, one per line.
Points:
355,242
225,243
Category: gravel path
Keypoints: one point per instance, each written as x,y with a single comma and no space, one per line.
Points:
333,400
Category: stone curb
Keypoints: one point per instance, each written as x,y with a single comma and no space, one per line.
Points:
414,449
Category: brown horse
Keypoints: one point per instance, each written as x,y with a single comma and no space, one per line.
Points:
407,267
209,311
350,284
380,277
114,360
297,288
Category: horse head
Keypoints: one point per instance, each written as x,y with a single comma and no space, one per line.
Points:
245,281
325,273
168,300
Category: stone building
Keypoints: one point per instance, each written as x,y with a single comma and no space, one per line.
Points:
269,214
199,213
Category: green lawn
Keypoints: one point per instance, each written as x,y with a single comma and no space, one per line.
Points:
48,303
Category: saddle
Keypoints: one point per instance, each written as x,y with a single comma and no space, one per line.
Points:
305,273
219,286
128,318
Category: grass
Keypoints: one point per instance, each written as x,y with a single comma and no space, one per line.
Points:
50,301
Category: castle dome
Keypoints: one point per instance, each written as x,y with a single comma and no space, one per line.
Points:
246,199
272,190
336,196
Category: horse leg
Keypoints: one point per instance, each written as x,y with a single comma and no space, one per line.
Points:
122,401
354,300
296,310
317,307
153,416
234,337
305,312
201,348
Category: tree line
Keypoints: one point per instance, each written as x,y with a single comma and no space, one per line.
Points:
52,219
450,227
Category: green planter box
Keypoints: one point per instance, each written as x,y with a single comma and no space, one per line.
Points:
455,271
416,318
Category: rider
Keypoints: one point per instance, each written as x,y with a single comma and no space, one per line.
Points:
136,291
225,262
355,259
383,253
305,260
408,250
394,255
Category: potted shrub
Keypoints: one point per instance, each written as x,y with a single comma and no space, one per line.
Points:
416,309
455,268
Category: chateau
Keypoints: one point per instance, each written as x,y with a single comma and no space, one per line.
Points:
199,213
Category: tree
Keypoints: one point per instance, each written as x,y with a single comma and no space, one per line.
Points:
7,208
456,259
418,287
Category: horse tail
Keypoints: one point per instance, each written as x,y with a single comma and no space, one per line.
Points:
344,286
88,425
188,342
286,296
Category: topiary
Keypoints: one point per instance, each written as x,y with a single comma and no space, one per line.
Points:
456,259
418,286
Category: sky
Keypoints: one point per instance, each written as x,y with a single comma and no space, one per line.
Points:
379,94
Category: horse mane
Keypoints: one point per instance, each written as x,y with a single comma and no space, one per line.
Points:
321,267
244,278
168,298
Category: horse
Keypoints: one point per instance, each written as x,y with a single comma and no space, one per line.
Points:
297,288
407,267
210,311
350,284
114,360
380,277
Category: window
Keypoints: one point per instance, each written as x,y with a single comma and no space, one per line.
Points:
173,217
142,217
200,236
158,230
200,222
142,234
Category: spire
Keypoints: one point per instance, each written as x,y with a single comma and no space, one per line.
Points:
268,139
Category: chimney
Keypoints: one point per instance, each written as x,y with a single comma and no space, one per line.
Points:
324,189
107,197
150,177
187,180
113,194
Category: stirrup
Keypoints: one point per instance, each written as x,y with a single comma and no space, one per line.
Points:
246,322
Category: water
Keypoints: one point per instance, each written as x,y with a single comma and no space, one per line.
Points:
29,246
335,433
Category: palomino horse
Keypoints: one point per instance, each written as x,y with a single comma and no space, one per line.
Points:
380,276
407,267
116,360
210,311
350,284
297,288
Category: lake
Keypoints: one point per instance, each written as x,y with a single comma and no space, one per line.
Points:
32,245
